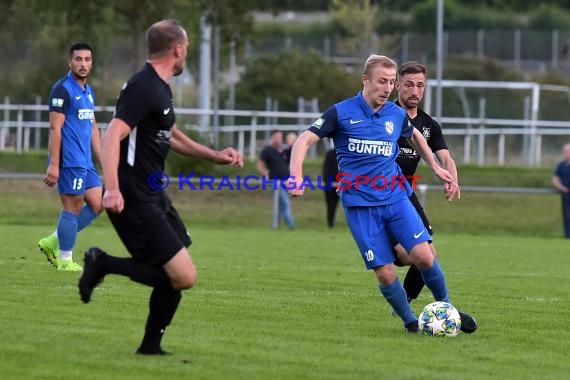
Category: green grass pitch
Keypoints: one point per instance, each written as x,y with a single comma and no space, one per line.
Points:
286,305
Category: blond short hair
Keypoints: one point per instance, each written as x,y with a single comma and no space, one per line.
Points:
375,59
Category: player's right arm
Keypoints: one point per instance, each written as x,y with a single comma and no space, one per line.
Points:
298,153
262,167
110,153
58,106
56,120
322,127
559,185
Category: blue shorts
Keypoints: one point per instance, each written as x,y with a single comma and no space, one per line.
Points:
373,226
74,181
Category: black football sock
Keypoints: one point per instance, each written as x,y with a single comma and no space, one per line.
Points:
162,307
136,271
413,283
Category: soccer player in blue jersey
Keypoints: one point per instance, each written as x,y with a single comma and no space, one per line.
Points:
365,130
74,138
561,181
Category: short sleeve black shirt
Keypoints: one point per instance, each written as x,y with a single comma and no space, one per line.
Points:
145,104
275,162
408,158
330,166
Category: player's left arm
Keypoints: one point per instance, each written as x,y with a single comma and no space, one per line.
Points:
420,144
438,145
181,143
451,189
96,143
306,140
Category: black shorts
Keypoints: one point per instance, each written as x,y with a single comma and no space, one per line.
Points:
153,233
417,205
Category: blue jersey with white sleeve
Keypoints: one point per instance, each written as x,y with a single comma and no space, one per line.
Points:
366,144
78,106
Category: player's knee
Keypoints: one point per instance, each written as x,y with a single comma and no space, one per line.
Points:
405,260
95,203
422,256
423,261
185,281
73,205
97,208
432,249
386,274
402,258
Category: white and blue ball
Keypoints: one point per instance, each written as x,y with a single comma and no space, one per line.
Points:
440,319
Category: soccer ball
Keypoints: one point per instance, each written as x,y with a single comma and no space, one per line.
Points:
440,319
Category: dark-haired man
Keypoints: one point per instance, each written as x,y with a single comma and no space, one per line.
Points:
273,163
411,85
134,149
74,138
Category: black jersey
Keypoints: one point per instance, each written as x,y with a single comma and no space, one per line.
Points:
330,166
275,162
408,158
145,104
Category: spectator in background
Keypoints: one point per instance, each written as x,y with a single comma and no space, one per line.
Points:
561,181
272,165
289,141
330,170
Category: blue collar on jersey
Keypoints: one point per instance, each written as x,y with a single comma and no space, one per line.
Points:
74,81
366,107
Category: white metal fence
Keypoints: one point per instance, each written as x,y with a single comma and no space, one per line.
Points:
474,136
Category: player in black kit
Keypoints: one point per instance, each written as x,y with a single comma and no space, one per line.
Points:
411,85
134,149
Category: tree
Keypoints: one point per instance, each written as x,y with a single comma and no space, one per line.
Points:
358,21
34,56
288,76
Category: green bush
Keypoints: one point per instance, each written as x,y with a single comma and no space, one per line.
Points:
461,17
499,103
473,68
314,29
286,77
549,17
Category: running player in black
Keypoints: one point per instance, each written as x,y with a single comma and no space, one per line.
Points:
134,149
330,171
411,85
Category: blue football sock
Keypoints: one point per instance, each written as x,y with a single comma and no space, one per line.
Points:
435,281
396,297
67,230
86,216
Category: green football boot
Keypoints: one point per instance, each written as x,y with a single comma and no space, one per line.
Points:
49,247
69,265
